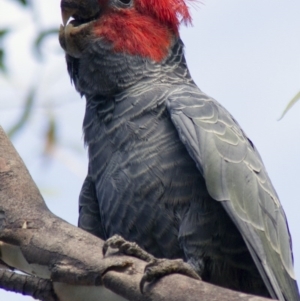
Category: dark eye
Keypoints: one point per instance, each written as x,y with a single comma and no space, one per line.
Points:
121,3
125,3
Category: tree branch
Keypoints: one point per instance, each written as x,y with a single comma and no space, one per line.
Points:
65,262
35,287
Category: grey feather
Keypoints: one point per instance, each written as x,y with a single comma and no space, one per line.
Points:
235,175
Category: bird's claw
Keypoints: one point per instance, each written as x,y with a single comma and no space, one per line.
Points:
158,268
126,247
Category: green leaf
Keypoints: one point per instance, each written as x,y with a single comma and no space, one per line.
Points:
50,136
41,38
25,114
3,33
2,65
290,104
23,2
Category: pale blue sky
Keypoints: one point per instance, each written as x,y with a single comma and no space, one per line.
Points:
244,53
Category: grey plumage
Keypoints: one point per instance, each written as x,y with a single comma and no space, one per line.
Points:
170,169
235,176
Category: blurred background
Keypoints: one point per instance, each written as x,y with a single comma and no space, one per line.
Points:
246,54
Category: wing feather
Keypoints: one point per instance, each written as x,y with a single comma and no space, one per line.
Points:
235,175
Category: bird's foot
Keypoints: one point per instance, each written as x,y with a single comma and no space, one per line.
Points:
156,268
126,247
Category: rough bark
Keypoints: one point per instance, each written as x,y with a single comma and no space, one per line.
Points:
58,256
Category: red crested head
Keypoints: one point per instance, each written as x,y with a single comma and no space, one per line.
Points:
141,27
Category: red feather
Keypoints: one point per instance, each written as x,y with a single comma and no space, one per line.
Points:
169,12
146,29
135,34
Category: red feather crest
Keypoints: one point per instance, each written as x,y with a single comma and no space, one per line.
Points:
170,12
144,30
